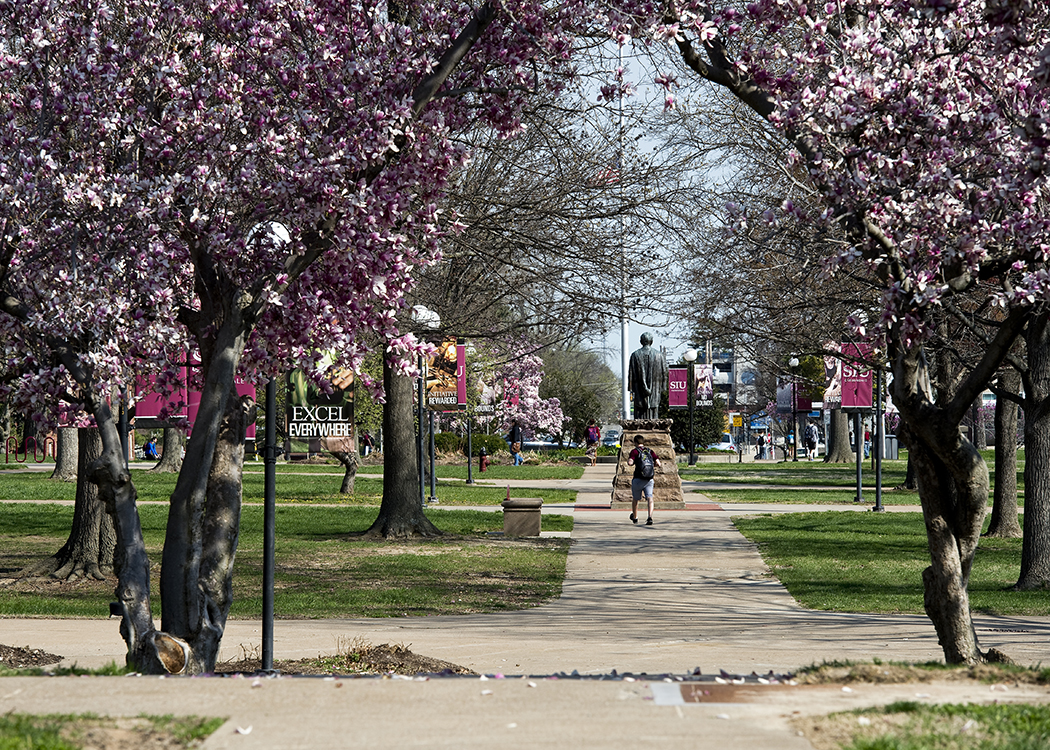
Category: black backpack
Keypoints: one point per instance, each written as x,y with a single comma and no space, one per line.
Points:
646,466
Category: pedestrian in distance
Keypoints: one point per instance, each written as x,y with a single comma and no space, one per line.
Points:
593,436
644,462
514,439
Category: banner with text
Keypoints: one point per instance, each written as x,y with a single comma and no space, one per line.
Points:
678,386
445,384
856,378
327,419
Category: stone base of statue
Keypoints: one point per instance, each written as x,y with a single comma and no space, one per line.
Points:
667,485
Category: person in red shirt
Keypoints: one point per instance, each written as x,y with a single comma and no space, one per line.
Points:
642,459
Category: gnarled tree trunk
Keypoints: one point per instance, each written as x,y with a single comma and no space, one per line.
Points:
839,451
400,513
66,455
952,478
88,552
1004,522
1035,549
349,461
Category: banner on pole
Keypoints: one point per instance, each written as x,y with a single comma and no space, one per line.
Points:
704,378
856,378
326,420
444,372
832,376
678,386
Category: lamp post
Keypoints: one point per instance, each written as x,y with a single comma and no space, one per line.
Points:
690,358
793,364
426,318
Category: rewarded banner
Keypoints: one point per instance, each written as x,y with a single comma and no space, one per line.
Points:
856,379
678,386
327,418
445,384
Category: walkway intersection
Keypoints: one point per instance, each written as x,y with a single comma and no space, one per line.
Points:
688,595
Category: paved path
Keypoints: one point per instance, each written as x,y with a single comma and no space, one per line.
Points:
689,592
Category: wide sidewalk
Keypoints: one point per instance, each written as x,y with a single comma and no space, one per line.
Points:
687,594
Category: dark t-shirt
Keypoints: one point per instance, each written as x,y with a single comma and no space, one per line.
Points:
635,455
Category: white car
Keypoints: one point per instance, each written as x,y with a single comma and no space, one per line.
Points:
725,444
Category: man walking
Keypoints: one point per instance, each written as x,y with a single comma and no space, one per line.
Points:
644,462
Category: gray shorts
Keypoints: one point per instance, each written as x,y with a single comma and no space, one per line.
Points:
641,487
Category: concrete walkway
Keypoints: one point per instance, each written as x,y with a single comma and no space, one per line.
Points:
687,593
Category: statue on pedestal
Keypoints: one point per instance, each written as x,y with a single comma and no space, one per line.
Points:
647,379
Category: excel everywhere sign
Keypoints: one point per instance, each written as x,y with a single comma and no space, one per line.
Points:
322,417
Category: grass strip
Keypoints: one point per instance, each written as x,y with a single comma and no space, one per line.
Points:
872,562
323,567
817,473
807,496
71,732
292,487
910,725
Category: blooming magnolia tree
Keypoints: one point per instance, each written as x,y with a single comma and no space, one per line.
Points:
252,181
923,127
517,372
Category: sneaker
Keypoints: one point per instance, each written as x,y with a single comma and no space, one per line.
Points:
634,518
649,522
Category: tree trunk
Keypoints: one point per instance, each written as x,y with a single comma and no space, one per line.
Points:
980,436
88,552
171,451
839,451
1035,549
349,461
953,489
1004,522
400,513
204,512
67,455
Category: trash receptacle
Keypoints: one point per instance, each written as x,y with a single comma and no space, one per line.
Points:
521,516
892,448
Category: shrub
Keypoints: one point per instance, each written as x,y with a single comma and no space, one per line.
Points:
449,442
491,443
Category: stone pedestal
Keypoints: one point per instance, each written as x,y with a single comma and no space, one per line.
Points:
667,485
521,516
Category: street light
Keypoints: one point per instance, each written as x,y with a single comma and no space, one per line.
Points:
427,318
793,364
690,358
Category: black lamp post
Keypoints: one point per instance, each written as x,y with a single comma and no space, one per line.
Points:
793,364
690,358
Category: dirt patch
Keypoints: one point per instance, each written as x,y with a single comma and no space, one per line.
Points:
839,730
121,734
356,659
901,673
25,658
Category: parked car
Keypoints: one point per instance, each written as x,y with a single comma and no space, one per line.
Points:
611,439
725,444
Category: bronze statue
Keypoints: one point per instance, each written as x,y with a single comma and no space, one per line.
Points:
647,379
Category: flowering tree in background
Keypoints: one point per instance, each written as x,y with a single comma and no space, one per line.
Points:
253,181
922,126
517,373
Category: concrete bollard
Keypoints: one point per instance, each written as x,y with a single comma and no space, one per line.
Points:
521,516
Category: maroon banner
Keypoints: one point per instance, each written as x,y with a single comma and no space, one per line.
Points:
461,373
856,378
678,386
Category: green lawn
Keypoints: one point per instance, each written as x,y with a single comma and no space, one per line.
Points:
323,568
308,484
806,496
868,562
